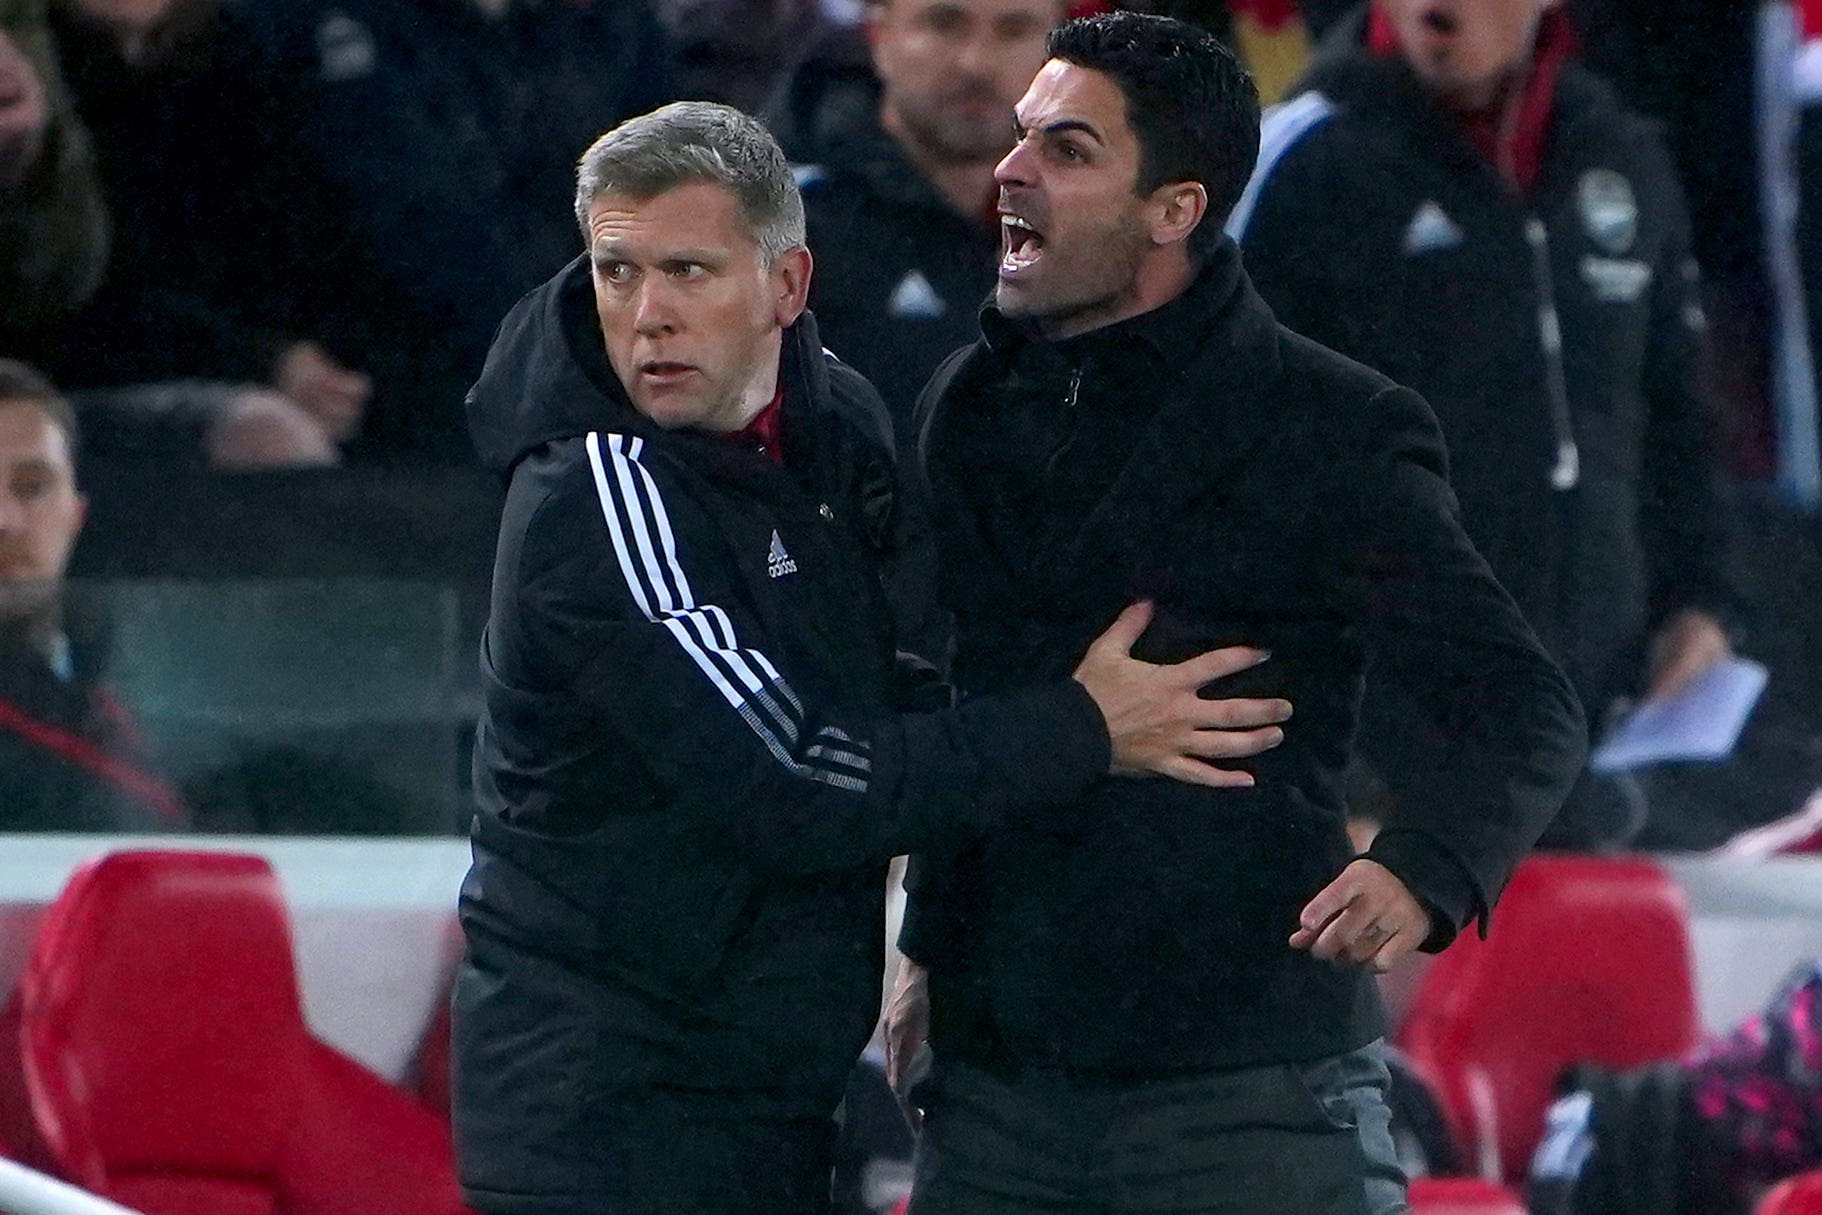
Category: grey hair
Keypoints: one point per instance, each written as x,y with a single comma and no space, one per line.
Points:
698,141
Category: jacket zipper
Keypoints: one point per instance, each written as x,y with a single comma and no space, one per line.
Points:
1068,440
1566,472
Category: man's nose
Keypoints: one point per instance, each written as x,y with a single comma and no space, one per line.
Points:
976,56
1013,167
653,310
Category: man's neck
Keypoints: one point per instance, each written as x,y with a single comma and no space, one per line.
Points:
1165,274
966,185
757,394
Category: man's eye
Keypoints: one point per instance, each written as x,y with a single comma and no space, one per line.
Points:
688,271
30,491
617,272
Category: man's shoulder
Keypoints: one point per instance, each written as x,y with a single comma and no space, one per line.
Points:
1327,374
1307,146
1341,405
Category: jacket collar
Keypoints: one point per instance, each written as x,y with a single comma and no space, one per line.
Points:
1218,367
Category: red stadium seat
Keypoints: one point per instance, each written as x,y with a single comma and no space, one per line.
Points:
1588,961
1798,1196
169,1068
1462,1196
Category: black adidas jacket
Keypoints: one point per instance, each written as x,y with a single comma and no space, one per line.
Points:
1260,490
688,774
900,274
1556,336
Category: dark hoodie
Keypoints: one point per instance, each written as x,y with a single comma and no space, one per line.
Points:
688,775
1555,330
900,274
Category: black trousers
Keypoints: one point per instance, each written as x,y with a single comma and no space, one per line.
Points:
1304,1139
690,1159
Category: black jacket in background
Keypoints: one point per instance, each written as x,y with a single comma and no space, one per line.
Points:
222,254
449,142
1260,490
1376,228
71,758
689,774
899,274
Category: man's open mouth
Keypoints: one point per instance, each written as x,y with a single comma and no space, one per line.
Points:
1020,244
661,370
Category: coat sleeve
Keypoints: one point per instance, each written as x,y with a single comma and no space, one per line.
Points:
1680,516
1495,736
644,609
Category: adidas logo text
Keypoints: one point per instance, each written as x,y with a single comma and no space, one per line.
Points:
778,562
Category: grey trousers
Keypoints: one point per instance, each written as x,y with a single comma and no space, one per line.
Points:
1302,1139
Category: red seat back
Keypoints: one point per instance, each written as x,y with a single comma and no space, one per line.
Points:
1588,961
169,1066
1462,1196
1798,1196
162,1028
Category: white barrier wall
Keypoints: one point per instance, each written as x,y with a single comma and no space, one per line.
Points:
374,926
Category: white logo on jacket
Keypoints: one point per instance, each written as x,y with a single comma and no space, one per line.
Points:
915,299
1616,280
778,562
1610,212
1431,231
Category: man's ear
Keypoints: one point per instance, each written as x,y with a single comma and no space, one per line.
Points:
791,285
1176,208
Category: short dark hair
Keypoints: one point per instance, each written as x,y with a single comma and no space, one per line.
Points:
23,382
1193,107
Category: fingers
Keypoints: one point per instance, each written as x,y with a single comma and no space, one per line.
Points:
1353,936
1365,917
1394,951
1239,714
1125,631
1219,664
1231,744
1329,902
1195,772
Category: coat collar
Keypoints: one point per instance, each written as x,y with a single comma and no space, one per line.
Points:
1216,372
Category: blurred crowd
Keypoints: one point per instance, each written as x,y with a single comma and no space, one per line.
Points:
253,252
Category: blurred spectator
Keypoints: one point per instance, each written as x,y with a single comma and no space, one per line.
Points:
69,758
1454,202
447,132
738,51
896,168
216,271
53,227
